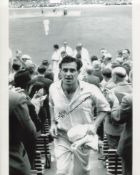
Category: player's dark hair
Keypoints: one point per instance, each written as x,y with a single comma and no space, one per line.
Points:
69,59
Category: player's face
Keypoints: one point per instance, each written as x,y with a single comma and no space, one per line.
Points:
69,73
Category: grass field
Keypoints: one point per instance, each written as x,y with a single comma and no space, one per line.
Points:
107,27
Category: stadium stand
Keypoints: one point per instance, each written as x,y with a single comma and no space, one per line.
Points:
47,3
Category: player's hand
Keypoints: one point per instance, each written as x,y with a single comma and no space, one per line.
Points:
92,129
53,130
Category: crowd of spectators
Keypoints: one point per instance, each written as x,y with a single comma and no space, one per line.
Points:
46,3
29,103
28,4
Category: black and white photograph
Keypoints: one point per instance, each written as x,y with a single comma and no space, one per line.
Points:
69,87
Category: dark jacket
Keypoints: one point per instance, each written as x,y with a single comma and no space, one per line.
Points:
22,135
125,143
111,127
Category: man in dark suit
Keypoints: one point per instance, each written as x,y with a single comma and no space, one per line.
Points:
123,115
125,143
22,135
